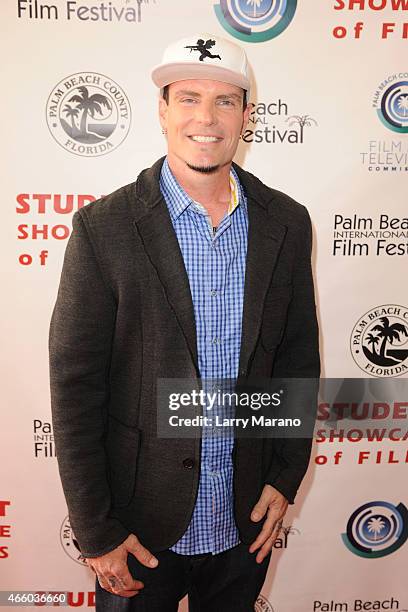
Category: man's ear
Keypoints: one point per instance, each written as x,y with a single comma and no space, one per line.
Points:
163,110
246,114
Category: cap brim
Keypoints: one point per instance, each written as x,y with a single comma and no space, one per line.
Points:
170,73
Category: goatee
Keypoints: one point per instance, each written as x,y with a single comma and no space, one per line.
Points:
203,169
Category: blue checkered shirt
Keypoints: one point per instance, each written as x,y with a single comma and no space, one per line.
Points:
215,265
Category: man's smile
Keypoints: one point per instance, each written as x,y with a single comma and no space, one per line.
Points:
206,139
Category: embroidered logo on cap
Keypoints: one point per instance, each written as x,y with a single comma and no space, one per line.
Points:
203,48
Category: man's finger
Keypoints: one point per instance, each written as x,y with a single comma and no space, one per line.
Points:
104,582
124,580
101,581
266,548
143,555
271,527
264,534
260,508
116,578
114,584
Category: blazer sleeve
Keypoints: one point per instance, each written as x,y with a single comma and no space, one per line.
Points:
80,340
298,357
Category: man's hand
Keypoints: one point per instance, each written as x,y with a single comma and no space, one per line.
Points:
273,502
112,569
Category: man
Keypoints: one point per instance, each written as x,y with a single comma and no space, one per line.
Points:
196,270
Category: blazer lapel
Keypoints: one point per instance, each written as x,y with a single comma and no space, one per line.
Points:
152,222
265,236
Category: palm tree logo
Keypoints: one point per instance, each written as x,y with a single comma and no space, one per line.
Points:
289,530
91,106
72,113
375,526
373,340
376,529
257,4
88,114
139,8
386,332
302,121
403,104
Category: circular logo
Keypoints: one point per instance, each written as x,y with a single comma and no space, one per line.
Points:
69,543
88,114
379,341
376,529
255,20
393,111
262,604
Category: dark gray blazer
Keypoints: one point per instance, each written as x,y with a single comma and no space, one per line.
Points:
124,318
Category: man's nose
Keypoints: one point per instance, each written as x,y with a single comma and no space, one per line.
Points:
206,113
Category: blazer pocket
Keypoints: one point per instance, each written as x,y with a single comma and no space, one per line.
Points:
275,315
122,446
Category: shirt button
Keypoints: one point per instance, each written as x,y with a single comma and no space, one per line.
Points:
214,292
188,463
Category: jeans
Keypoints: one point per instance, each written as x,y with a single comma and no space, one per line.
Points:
226,582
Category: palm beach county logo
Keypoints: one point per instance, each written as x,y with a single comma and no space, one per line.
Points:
379,341
203,47
69,542
376,529
88,114
262,604
391,102
255,20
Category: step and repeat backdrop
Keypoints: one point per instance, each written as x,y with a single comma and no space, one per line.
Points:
330,128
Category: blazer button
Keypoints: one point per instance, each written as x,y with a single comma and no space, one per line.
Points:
188,463
242,372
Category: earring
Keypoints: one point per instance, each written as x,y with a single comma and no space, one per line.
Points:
164,131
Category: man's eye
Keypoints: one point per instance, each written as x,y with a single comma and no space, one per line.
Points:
226,102
188,100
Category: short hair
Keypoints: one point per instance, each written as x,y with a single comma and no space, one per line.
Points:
165,95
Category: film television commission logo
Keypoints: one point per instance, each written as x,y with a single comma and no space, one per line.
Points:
69,542
391,102
376,529
88,114
379,341
255,20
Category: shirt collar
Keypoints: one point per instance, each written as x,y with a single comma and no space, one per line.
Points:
178,200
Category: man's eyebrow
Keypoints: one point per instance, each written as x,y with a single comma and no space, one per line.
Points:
186,92
231,95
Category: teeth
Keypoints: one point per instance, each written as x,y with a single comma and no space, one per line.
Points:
205,138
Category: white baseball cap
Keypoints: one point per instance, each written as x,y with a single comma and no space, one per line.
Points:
203,56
